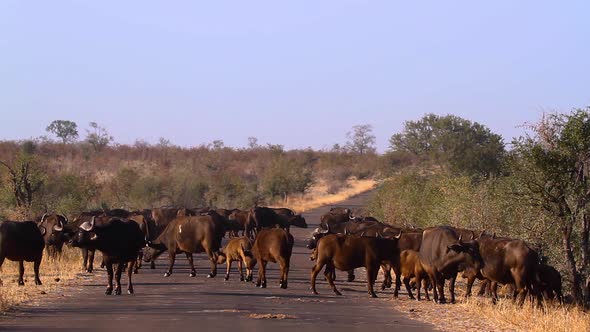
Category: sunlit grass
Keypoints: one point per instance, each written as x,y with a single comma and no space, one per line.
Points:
54,274
318,195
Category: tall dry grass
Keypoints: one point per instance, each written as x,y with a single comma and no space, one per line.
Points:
54,274
319,194
554,318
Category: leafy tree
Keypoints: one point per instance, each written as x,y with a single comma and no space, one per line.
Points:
98,137
361,139
453,143
64,129
553,167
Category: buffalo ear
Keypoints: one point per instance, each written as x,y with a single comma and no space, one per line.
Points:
43,230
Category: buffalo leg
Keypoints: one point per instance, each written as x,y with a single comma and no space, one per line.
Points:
386,276
494,292
129,275
434,287
350,276
398,283
406,281
90,261
470,281
452,287
171,259
440,285
372,272
261,282
314,273
36,266
138,261
240,269
120,267
213,260
330,267
189,257
284,263
152,265
21,272
228,269
109,290
483,287
85,259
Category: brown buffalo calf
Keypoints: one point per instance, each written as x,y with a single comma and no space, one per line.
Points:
238,249
273,245
412,268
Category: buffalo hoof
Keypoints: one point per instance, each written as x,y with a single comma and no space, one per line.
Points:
167,274
117,291
193,274
442,301
109,291
350,278
130,291
373,295
241,277
314,292
89,270
21,283
38,282
226,278
283,285
211,275
337,293
153,266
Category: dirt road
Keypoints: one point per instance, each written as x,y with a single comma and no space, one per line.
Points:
183,303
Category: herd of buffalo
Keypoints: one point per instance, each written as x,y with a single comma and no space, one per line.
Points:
345,240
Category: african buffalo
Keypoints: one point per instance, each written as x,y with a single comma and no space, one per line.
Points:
347,252
188,234
240,250
273,245
22,241
119,241
443,253
510,261
55,235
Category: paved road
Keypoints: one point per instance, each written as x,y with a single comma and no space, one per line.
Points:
184,303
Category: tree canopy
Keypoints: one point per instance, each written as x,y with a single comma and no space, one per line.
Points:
453,143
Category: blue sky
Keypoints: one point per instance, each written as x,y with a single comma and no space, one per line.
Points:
297,73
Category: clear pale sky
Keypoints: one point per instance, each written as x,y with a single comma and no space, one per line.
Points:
297,73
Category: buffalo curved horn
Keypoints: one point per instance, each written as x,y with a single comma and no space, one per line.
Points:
59,227
362,234
482,233
327,229
43,218
472,235
460,237
351,217
346,232
43,230
65,218
399,235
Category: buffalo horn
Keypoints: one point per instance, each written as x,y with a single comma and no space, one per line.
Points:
460,237
43,218
472,235
399,235
59,227
65,218
327,230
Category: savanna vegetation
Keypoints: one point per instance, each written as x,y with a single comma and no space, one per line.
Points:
448,170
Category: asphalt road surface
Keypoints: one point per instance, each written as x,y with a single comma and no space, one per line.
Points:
183,303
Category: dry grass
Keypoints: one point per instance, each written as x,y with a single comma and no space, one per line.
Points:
319,195
529,318
271,316
53,273
479,314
